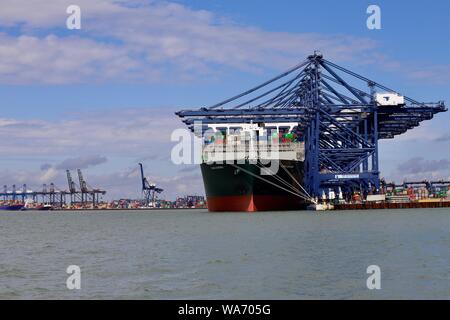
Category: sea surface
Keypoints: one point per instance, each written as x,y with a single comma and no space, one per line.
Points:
193,254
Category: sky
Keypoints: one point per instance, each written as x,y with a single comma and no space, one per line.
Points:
103,98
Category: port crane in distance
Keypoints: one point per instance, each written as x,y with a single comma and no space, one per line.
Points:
149,190
86,194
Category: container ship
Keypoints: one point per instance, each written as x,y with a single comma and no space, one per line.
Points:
259,173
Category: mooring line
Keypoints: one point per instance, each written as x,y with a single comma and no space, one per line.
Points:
287,184
270,182
293,178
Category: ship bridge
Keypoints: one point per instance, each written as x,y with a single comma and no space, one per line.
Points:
341,115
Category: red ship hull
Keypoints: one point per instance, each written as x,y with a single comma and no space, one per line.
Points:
253,203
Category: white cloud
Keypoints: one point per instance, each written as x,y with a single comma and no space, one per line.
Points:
419,168
54,60
145,42
435,73
49,175
161,41
127,131
82,162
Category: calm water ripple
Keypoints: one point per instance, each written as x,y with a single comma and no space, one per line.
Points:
193,254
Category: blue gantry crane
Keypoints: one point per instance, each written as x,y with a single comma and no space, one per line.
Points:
341,115
149,190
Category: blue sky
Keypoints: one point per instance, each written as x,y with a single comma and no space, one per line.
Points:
104,96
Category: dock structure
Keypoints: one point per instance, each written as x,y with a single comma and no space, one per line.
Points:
52,195
48,194
340,114
392,205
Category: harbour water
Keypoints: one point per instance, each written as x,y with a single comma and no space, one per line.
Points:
193,254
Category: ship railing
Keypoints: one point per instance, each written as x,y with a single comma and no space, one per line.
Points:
282,151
